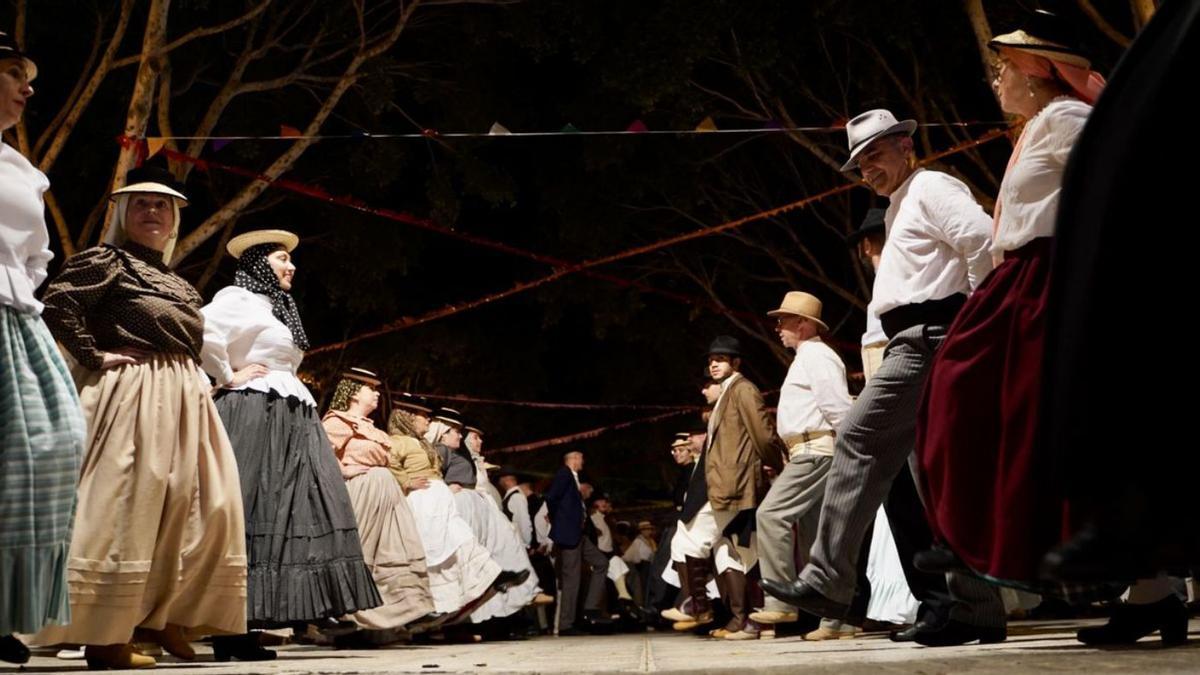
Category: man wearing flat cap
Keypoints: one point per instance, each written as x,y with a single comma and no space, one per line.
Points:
729,480
937,251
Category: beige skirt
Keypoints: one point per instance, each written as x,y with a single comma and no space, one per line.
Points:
392,550
159,537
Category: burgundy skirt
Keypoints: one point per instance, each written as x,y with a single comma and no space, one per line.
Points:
986,487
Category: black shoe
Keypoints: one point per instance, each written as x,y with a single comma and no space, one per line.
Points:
240,647
1130,623
904,634
807,598
953,633
571,631
938,560
332,627
1090,557
13,650
508,578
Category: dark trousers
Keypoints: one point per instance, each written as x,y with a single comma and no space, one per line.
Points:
570,561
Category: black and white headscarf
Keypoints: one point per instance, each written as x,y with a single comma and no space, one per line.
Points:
254,274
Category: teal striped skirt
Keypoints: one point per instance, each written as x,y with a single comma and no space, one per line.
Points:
42,433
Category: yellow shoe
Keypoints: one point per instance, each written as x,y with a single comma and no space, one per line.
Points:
772,617
542,599
115,657
719,633
173,638
743,635
823,633
674,614
683,626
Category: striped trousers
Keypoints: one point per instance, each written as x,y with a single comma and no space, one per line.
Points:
874,444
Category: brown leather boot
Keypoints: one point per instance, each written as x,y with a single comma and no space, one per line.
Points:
735,593
698,570
679,612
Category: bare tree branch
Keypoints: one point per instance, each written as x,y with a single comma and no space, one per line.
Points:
194,35
1105,27
284,162
80,104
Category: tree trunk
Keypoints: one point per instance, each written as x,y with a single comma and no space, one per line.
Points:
983,35
141,102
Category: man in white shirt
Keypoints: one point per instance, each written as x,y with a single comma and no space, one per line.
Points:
812,402
515,505
937,251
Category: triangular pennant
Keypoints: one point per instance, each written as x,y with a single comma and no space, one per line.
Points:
706,124
154,144
289,131
569,129
637,127
773,124
498,130
218,143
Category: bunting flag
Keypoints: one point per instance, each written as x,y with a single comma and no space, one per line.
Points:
153,145
706,124
637,127
569,129
499,130
288,131
218,143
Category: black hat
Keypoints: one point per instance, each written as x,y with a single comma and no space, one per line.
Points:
448,416
472,427
872,223
726,345
507,470
412,403
1047,35
10,50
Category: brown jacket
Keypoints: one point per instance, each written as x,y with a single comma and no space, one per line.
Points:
744,441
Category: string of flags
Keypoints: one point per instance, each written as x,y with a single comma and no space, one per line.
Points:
499,130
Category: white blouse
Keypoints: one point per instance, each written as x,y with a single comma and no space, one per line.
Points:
240,330
24,241
1029,192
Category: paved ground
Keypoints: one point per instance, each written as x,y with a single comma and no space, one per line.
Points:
1032,647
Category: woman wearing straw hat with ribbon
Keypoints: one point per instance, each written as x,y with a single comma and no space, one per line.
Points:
305,559
985,476
172,559
42,430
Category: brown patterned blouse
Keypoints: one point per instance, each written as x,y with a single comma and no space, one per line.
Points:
107,298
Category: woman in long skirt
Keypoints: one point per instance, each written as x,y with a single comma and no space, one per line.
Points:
305,560
491,528
42,430
391,544
159,542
